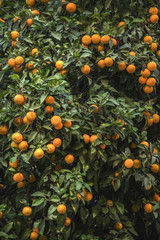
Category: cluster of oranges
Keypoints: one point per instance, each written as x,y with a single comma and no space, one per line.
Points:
151,119
154,18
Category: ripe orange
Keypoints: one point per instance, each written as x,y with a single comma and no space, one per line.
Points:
3,130
83,45
27,211
122,66
147,39
29,22
67,222
132,54
115,137
133,145
147,89
33,236
69,158
59,65
79,197
151,66
153,47
13,165
85,69
17,137
95,39
101,64
146,113
156,197
56,120
32,178
153,10
19,60
100,48
109,203
23,146
59,126
151,82
118,226
35,52
128,163
63,72
67,124
93,138
1,215
21,185
30,2
158,53
1,186
38,153
154,168
86,40
14,35
2,20
114,42
149,122
18,177
71,7
57,142
145,143
131,68
61,209
31,116
50,100
155,150
49,109
88,197
108,62
105,39
95,108
11,62
34,71
146,73
154,18
51,148
86,138
26,120
148,208
142,80
121,24
36,12
14,44
156,118
18,121
102,146
136,163
14,145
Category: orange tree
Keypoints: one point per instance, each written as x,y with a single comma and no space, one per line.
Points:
79,119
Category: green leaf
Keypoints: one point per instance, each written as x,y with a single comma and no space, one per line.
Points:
78,185
55,198
52,209
8,227
37,202
38,194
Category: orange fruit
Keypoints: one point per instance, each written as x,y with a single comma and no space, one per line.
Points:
3,130
88,197
148,208
131,68
50,100
146,113
108,62
71,7
56,120
95,39
154,18
95,108
14,145
2,20
36,12
38,153
27,211
154,168
147,89
155,150
100,48
153,47
105,39
30,2
136,163
147,39
59,126
23,146
122,66
57,142
121,24
153,10
156,118
18,121
128,163
156,197
85,69
18,177
14,35
21,185
49,109
32,178
109,203
14,44
67,221
61,209
59,65
29,22
158,53
142,80
145,143
101,64
1,215
146,73
151,66
116,174
51,148
13,165
115,137
132,54
149,122
19,60
93,138
1,186
118,226
17,68
79,197
133,145
63,72
86,40
69,158
11,62
83,45
31,116
26,120
34,52
114,42
86,138
67,124
34,71
17,137
151,82
102,146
